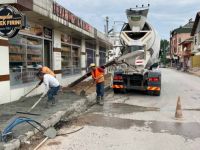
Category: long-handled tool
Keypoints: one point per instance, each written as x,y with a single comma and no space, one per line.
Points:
52,133
35,104
23,97
83,92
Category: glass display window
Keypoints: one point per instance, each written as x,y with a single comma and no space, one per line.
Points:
102,59
102,56
76,41
25,53
66,60
76,59
90,54
33,29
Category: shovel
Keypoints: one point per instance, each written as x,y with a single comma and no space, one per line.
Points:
83,92
49,133
35,104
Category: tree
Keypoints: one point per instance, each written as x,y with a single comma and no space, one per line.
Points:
164,48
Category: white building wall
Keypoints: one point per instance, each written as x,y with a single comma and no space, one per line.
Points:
57,55
83,57
4,71
97,53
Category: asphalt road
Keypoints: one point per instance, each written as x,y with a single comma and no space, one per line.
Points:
135,121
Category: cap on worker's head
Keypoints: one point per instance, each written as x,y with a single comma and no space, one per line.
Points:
92,65
39,66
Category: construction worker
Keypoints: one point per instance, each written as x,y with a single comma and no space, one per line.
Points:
98,76
51,86
44,70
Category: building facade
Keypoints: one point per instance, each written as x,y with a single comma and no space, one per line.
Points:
177,36
53,37
196,40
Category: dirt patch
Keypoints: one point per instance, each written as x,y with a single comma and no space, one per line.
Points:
34,141
54,143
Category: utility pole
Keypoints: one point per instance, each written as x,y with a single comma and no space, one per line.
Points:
107,24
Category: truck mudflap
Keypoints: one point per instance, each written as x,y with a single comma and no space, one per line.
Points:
153,88
118,86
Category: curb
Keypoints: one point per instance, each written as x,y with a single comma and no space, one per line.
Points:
192,73
72,111
188,72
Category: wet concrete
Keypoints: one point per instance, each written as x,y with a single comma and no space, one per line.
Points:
186,130
8,111
121,108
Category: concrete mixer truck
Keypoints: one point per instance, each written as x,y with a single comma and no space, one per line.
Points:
137,66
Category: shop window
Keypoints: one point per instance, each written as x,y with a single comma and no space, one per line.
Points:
179,40
90,45
76,41
102,55
76,60
70,60
102,59
33,29
25,53
90,57
66,60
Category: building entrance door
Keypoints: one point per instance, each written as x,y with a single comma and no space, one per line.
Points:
47,53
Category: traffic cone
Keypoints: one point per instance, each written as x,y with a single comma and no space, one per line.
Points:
178,113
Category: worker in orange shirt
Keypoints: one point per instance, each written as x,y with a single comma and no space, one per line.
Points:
44,70
98,76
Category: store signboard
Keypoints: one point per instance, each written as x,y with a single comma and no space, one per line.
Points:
70,17
47,33
11,21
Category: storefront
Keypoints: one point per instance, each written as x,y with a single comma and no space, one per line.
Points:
31,47
70,55
59,40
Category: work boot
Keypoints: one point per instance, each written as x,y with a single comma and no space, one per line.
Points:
47,104
53,102
98,99
102,100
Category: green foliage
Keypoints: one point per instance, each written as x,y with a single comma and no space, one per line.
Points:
164,48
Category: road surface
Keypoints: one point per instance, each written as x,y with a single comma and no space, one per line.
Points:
135,121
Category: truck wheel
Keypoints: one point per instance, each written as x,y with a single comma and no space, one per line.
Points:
116,91
149,93
124,91
156,93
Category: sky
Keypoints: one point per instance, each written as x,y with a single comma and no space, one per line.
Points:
164,15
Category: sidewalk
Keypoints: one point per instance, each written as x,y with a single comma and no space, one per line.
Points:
68,105
8,111
195,71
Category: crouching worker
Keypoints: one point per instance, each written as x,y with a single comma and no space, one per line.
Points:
44,70
51,86
98,76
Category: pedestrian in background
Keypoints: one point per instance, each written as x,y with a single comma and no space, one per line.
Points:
98,76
